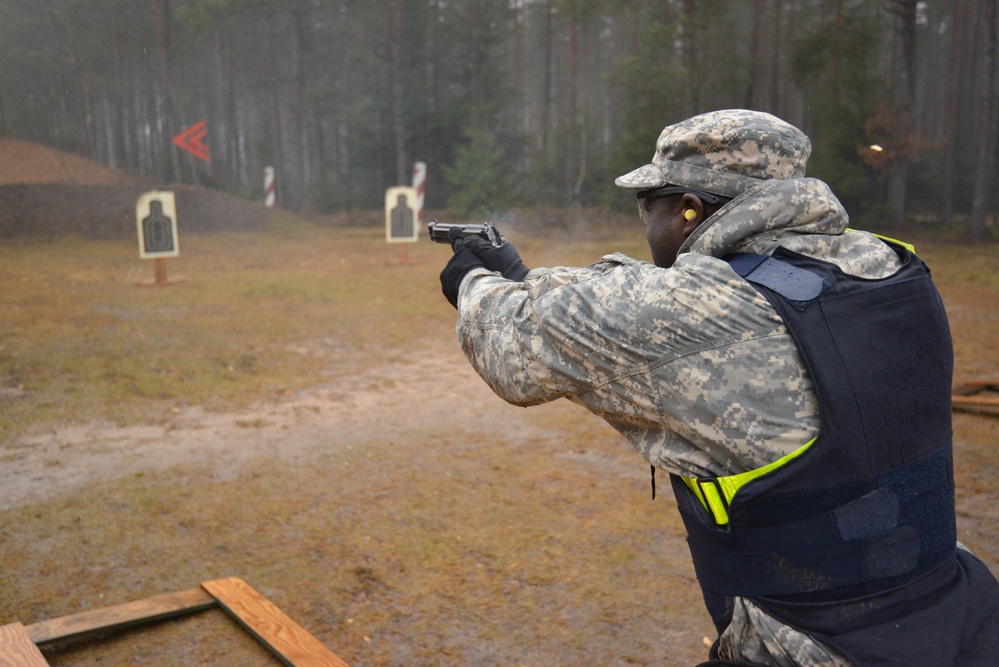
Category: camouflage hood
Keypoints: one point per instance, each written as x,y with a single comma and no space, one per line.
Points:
769,214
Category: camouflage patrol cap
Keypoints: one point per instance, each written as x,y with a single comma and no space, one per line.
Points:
724,153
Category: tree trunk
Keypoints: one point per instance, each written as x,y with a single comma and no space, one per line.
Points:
398,125
296,130
160,10
905,12
793,107
754,54
688,54
433,78
546,95
776,77
958,50
277,141
898,174
86,97
520,62
136,151
636,27
587,110
121,120
227,128
986,124
572,111
342,128
837,56
78,102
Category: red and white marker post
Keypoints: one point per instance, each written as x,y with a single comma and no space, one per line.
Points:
269,187
419,183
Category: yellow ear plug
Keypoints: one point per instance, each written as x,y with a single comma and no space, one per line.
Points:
689,214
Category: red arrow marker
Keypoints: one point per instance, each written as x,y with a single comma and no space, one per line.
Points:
192,140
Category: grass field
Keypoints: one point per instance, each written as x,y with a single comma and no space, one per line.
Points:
391,505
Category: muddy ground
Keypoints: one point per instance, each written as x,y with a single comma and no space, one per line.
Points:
416,435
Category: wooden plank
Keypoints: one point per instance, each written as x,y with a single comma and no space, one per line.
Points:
121,616
990,401
974,387
272,627
17,649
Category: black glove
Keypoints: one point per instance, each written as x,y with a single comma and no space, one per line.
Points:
463,261
504,260
473,251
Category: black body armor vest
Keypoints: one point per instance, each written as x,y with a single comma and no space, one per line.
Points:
839,541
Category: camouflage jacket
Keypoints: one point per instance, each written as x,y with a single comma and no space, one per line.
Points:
691,364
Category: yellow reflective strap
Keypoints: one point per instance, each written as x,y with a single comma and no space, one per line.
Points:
709,492
691,483
717,493
908,246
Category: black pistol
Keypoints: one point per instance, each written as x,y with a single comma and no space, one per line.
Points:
439,231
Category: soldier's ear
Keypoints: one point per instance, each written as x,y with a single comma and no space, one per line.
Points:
694,212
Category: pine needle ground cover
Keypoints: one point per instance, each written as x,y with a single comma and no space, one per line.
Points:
294,411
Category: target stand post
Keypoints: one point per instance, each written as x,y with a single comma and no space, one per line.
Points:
160,273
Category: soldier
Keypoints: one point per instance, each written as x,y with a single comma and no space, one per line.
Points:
792,376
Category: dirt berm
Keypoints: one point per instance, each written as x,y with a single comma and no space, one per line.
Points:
45,192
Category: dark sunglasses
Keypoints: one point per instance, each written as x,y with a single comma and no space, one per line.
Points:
645,195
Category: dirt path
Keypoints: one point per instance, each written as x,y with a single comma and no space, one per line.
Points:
382,402
432,393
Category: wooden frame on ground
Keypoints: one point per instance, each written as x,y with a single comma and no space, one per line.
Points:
291,643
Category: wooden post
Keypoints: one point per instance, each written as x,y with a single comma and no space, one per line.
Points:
160,270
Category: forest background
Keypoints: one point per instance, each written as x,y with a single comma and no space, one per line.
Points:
511,103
